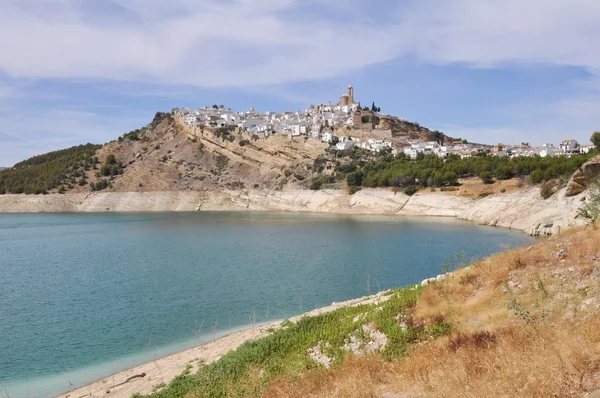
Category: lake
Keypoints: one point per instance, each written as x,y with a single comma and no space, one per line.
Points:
86,295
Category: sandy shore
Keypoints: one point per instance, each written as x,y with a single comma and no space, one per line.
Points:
163,370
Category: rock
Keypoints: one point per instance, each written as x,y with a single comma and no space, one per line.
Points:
583,176
318,356
525,211
569,315
559,255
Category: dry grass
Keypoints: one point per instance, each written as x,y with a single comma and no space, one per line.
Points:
526,322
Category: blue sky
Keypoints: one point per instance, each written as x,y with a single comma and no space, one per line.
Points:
77,71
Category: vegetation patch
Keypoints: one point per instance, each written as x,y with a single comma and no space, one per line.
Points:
221,163
42,173
431,171
293,349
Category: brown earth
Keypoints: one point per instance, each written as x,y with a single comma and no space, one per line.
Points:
170,158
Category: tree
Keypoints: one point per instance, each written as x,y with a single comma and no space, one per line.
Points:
536,176
596,139
486,177
503,172
373,107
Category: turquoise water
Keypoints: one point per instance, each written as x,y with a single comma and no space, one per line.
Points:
86,295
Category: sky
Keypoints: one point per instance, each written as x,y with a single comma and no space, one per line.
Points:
511,71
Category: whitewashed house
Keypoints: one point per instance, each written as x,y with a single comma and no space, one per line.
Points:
343,145
586,148
547,151
568,146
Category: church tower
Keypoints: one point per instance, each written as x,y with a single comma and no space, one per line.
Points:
351,94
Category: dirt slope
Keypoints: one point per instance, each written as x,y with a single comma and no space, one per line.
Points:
168,158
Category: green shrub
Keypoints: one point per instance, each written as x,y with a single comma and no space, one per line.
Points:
316,184
591,209
536,177
221,163
486,177
411,190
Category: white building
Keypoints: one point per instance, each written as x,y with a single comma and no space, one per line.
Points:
343,145
547,151
568,146
586,148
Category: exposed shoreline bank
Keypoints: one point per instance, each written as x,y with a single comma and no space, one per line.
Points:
524,211
165,369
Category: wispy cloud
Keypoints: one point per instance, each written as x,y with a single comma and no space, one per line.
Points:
257,42
155,49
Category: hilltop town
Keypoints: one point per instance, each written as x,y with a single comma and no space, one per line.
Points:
347,124
342,146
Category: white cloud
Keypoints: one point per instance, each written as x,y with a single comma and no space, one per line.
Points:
240,43
251,43
243,42
488,33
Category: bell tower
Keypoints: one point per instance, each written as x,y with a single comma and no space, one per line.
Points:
351,94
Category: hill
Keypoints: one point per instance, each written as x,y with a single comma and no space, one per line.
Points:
44,173
167,155
171,155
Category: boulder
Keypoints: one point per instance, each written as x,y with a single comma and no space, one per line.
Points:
581,179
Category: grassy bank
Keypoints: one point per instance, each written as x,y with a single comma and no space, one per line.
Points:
525,322
311,345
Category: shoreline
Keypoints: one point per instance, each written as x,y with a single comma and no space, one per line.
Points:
525,211
166,368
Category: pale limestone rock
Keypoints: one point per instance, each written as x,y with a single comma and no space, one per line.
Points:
525,211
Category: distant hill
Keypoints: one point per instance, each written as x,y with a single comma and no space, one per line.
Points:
51,171
167,155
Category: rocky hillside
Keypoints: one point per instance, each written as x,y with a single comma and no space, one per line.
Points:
411,130
166,157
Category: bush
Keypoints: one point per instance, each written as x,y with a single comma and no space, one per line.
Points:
221,163
536,177
105,170
316,184
591,209
411,190
486,177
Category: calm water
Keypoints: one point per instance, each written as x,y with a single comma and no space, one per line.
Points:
85,295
